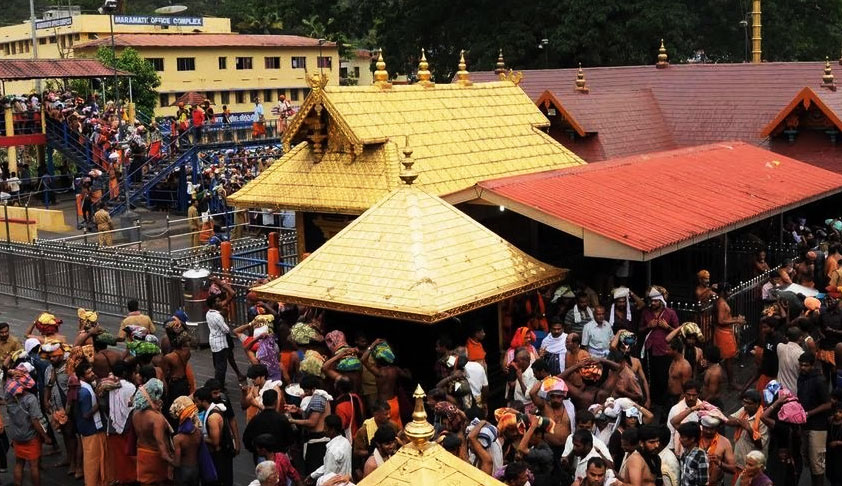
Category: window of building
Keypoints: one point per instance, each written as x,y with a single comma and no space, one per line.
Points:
163,100
272,62
240,96
186,63
305,92
357,72
267,94
243,63
42,41
52,39
28,45
14,47
225,97
299,62
293,94
178,95
254,95
343,72
156,62
210,96
324,62
92,36
7,49
223,62
77,37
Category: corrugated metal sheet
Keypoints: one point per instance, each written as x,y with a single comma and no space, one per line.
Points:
699,103
653,201
14,69
205,40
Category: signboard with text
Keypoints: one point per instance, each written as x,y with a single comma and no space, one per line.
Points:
153,20
51,23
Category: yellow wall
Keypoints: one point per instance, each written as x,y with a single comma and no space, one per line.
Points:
207,76
46,219
17,231
363,63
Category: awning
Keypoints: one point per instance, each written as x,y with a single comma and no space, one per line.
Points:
414,257
18,69
638,208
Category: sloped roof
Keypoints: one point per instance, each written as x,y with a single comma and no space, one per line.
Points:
339,183
641,207
412,256
699,103
631,121
204,40
460,135
828,102
17,69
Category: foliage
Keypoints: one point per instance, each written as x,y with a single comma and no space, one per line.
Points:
608,32
144,78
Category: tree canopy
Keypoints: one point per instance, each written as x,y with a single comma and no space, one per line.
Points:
144,78
595,33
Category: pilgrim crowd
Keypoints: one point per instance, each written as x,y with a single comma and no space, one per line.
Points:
589,392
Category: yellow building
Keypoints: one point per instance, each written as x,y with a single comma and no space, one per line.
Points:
230,69
60,30
206,57
356,71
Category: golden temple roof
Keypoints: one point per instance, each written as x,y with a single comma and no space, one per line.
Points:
411,256
342,147
424,463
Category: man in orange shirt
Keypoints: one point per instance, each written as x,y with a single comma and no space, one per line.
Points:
474,345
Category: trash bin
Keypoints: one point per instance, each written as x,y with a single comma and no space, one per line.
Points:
195,292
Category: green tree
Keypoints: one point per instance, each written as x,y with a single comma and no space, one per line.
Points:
144,79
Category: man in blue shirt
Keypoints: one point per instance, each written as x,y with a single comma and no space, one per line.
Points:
89,425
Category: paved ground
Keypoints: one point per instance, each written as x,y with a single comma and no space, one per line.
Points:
20,316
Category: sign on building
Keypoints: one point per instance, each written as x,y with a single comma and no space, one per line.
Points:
153,20
52,23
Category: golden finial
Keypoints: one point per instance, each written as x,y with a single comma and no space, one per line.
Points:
501,64
424,74
581,84
827,79
381,76
419,430
662,57
408,175
462,74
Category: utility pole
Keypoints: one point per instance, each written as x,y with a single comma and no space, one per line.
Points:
34,40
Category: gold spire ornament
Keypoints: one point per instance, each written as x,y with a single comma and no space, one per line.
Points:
827,78
581,84
501,64
408,175
381,76
462,75
424,74
419,430
663,60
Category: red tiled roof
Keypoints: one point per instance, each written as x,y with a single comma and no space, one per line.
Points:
699,103
630,122
204,40
828,102
16,69
644,206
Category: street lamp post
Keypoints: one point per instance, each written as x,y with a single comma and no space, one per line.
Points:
543,45
34,40
321,61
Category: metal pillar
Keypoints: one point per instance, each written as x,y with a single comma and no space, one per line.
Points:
756,34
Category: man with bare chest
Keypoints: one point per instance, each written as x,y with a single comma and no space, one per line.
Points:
174,365
154,452
386,374
719,450
680,371
714,378
643,466
549,395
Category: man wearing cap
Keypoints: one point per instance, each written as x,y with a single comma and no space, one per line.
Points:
554,348
24,424
550,396
579,315
620,316
718,448
656,321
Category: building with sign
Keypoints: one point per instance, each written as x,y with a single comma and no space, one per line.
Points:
229,69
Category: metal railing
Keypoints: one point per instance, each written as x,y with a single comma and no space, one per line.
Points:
745,300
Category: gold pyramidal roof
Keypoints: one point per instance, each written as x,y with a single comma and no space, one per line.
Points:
341,149
424,463
412,256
